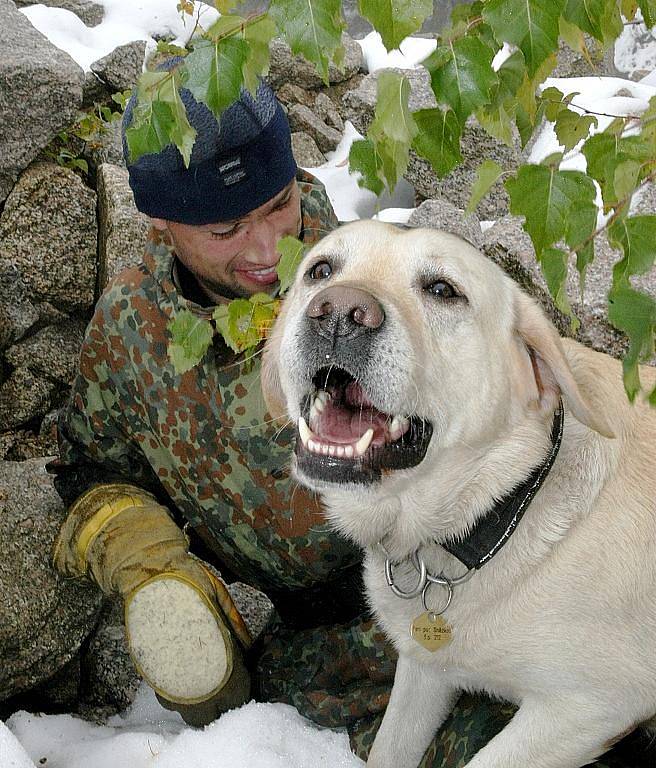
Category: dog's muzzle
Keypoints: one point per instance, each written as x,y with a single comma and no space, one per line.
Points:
343,435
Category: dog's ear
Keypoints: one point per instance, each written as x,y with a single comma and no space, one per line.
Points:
271,386
553,376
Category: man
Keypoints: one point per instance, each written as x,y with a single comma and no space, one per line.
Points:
146,452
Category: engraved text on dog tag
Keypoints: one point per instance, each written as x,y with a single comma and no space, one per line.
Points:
431,631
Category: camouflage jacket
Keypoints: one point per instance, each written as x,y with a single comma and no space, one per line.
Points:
202,441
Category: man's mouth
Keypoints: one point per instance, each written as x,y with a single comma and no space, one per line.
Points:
263,276
344,438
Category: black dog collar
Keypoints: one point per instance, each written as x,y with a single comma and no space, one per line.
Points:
494,529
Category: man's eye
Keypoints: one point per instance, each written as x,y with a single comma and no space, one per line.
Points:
442,289
225,235
320,271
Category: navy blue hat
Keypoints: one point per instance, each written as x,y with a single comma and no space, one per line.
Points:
237,163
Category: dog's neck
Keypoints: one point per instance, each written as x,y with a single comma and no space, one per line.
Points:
447,502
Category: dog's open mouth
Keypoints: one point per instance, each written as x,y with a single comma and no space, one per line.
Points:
344,438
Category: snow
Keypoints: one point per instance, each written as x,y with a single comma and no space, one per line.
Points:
148,736
261,735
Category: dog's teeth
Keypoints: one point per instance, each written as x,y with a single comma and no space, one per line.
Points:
396,423
332,450
304,431
314,415
325,448
318,405
348,451
364,442
339,452
323,396
313,446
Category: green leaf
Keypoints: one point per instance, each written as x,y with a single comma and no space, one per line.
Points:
190,339
159,118
394,20
235,322
548,198
497,121
553,103
532,25
604,152
258,36
312,28
488,173
462,75
599,18
571,128
636,236
364,159
214,72
392,128
634,313
438,139
648,8
554,263
291,252
628,9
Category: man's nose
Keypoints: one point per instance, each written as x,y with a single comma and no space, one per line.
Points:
264,237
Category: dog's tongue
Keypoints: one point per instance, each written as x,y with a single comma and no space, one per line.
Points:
347,423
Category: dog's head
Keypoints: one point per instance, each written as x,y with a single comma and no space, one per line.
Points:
394,345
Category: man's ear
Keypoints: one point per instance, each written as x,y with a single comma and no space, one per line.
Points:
553,376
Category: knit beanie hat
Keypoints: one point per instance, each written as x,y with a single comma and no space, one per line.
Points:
237,163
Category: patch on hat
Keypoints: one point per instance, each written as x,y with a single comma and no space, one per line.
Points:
231,170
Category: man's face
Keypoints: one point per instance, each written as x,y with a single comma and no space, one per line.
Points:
238,258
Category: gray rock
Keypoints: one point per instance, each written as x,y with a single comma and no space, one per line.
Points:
52,352
285,68
109,678
43,617
122,230
24,396
17,313
290,94
48,230
305,150
89,12
121,68
573,64
441,214
508,244
476,146
94,90
327,110
303,119
107,147
254,606
44,81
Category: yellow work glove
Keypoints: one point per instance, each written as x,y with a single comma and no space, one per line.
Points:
177,612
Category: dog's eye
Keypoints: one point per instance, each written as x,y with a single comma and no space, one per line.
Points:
442,289
320,271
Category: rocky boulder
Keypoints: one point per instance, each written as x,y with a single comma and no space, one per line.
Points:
40,94
48,231
286,68
122,230
43,617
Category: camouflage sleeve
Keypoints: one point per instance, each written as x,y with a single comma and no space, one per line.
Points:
95,445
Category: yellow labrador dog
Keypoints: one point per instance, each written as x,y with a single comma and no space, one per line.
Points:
501,485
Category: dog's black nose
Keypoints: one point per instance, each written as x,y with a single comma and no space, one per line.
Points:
344,311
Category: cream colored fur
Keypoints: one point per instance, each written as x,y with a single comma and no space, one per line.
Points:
562,621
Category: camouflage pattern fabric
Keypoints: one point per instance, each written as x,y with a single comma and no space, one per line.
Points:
204,444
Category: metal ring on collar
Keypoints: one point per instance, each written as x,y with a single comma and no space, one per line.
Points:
448,598
440,579
416,591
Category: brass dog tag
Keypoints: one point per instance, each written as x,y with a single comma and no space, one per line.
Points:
431,631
